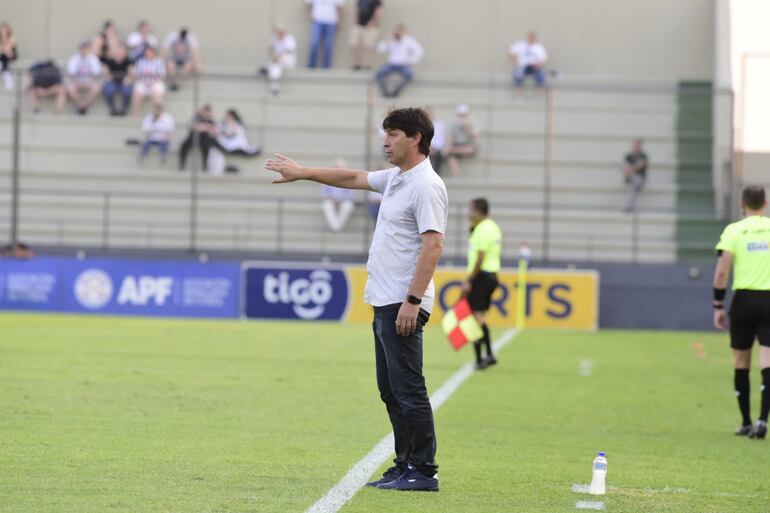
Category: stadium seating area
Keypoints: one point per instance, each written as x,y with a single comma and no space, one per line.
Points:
83,187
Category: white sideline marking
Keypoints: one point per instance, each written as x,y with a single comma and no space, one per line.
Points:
599,506
358,475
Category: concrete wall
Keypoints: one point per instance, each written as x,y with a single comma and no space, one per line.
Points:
632,38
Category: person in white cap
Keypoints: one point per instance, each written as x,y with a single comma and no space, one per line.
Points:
463,139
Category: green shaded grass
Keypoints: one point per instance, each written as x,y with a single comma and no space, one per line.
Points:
114,414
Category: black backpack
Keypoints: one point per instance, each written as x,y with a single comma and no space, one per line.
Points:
45,74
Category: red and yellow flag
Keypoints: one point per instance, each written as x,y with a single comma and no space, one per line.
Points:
460,325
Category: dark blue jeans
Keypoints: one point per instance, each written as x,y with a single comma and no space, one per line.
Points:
322,33
112,89
402,389
382,75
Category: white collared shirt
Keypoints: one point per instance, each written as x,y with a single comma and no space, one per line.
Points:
528,54
404,52
413,202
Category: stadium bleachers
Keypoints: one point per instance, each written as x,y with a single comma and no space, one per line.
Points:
82,185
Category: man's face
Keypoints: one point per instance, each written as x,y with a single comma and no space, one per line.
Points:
473,215
399,33
637,146
84,50
531,37
397,146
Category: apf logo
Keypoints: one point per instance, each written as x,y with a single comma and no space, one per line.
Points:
308,294
93,289
308,297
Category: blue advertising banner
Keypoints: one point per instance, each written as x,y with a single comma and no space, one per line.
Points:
307,293
123,287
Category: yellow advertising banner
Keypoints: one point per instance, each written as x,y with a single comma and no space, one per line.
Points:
554,299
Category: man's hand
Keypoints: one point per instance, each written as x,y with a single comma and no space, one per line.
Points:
466,287
289,170
406,321
720,319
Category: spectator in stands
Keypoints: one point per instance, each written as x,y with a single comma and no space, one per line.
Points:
326,16
463,139
231,136
337,204
183,56
46,80
202,134
158,128
365,32
106,41
118,83
635,173
83,76
7,54
438,143
403,52
149,79
283,56
529,58
139,40
19,251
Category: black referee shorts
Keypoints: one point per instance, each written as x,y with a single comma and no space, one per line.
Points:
750,318
482,288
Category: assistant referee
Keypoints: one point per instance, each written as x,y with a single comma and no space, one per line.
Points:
485,246
745,246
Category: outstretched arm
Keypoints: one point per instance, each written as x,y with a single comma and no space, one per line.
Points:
291,171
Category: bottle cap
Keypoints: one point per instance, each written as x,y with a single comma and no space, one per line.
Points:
602,453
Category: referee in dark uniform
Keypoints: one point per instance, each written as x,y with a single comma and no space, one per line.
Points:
484,250
745,247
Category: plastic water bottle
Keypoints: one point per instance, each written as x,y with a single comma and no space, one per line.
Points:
598,486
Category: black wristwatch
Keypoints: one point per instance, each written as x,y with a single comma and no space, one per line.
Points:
413,300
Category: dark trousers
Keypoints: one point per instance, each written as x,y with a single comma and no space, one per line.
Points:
402,389
205,142
114,89
405,72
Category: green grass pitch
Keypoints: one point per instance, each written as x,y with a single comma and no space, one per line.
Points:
140,415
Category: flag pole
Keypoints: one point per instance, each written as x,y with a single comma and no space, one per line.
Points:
521,290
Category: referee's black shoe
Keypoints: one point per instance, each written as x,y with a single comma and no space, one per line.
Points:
490,360
389,475
759,431
743,430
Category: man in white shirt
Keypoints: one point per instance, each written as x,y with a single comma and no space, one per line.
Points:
403,52
158,128
327,19
283,56
138,41
406,246
183,56
83,76
529,57
149,79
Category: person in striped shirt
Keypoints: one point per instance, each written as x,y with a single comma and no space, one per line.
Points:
149,80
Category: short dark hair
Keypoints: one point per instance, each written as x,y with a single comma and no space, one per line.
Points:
753,197
481,205
411,121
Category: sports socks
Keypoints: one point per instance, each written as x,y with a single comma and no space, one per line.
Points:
765,394
477,349
485,339
742,392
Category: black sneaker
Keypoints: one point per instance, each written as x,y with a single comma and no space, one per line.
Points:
481,365
759,431
412,481
389,475
490,360
743,430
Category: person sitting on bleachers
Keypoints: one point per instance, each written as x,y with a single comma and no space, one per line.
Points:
106,41
138,41
83,76
158,128
119,80
149,79
7,54
463,139
202,133
231,136
337,203
403,53
19,251
183,56
529,57
45,80
283,56
438,143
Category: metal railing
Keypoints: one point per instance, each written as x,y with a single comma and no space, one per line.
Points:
555,107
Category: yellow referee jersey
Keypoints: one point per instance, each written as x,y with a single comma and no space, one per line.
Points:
486,237
749,242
